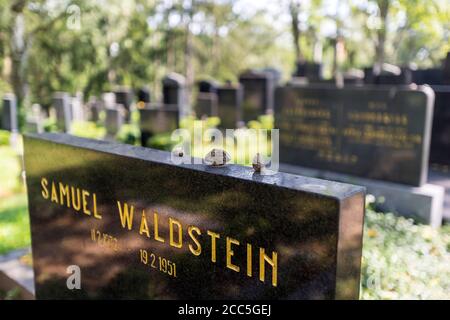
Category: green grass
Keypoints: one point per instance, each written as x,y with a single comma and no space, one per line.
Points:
14,223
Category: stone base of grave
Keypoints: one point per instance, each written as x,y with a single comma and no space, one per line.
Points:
425,204
442,179
15,274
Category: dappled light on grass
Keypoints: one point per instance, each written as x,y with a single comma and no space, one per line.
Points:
402,260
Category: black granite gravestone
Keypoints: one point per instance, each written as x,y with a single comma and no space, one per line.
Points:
143,95
380,133
258,89
229,104
174,89
311,71
440,137
388,75
446,70
9,117
124,96
61,103
208,86
432,76
206,105
114,119
140,227
155,119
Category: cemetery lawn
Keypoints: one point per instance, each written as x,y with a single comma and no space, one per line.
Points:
401,260
14,224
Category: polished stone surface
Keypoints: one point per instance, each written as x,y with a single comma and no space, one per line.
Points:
440,137
311,228
229,103
155,119
124,96
206,105
8,114
258,94
380,133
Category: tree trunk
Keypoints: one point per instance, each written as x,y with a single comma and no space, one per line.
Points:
294,10
188,56
383,6
18,50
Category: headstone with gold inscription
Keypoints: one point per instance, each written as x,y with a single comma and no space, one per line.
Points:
380,133
118,221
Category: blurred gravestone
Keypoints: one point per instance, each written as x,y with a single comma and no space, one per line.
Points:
258,94
77,108
371,132
388,74
229,102
61,104
34,120
440,138
311,71
174,93
206,99
94,108
376,136
9,113
114,119
124,97
143,95
446,75
156,119
433,76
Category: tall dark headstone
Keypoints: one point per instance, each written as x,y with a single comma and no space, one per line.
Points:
229,102
440,138
143,95
388,75
124,96
61,103
114,119
258,94
155,119
174,93
380,133
446,73
94,109
9,115
206,99
145,228
309,70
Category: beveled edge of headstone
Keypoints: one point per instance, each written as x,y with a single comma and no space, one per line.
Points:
331,189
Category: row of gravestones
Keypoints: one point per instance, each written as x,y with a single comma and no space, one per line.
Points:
224,232
380,133
387,128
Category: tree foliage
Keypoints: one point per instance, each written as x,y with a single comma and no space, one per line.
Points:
91,47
